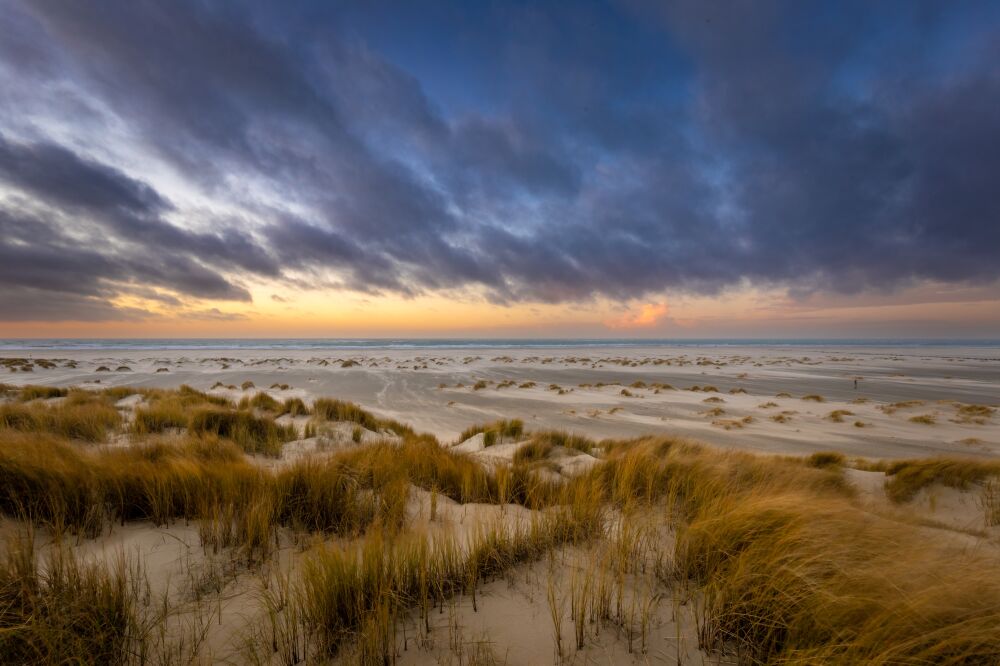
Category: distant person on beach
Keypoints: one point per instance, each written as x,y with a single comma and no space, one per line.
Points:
855,384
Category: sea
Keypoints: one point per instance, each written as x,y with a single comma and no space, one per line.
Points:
111,344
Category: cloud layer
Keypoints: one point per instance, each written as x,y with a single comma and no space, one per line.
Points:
186,152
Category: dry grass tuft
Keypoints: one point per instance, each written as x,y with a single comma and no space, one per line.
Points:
254,434
837,415
908,477
328,409
61,611
825,459
496,432
31,392
978,414
82,416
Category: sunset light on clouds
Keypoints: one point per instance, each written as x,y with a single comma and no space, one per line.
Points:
213,169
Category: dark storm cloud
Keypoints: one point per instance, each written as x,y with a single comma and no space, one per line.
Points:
612,150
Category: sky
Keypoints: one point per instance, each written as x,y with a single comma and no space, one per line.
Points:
621,169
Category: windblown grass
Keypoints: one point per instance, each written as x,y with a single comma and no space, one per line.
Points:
496,432
536,449
255,434
564,439
261,401
781,562
83,417
61,611
328,409
357,596
908,477
34,392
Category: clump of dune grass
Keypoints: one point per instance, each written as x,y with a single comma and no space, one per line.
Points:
767,405
247,385
262,402
989,501
807,578
978,414
496,432
825,459
356,596
328,409
33,392
923,419
294,407
164,410
713,399
908,477
812,397
837,415
733,424
159,417
894,407
536,449
559,438
83,417
254,434
789,570
58,610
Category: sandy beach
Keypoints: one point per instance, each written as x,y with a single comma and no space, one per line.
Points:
748,397
598,566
